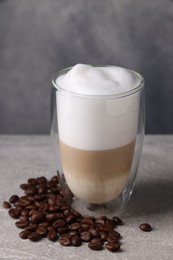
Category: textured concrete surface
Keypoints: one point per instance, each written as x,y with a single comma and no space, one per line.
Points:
22,157
40,37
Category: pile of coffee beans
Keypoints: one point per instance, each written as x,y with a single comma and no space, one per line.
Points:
43,213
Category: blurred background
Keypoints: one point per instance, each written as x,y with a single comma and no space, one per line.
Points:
40,37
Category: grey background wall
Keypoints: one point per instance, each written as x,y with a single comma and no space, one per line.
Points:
40,37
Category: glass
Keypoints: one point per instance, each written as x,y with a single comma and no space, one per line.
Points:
99,180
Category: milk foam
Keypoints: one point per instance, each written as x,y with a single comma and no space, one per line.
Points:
97,123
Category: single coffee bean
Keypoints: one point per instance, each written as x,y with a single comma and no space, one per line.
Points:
23,202
95,245
24,218
66,235
24,186
105,227
19,207
30,198
112,240
52,235
76,241
110,222
43,207
34,236
50,228
67,212
96,239
13,198
22,223
74,226
24,234
87,221
42,188
51,201
76,214
86,236
31,190
70,218
94,232
59,215
25,212
14,213
63,230
59,223
44,224
64,241
103,235
55,179
117,221
32,181
102,217
85,226
53,209
73,232
31,227
51,217
100,221
41,179
145,227
6,205
37,217
114,234
42,231
112,246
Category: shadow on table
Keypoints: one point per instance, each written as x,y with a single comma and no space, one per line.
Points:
153,198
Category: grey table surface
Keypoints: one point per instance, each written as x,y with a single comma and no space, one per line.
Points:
22,157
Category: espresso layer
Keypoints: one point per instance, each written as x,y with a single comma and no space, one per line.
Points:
96,176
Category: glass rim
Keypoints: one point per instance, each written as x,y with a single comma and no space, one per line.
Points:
107,96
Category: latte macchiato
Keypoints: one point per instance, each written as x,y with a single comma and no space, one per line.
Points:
97,129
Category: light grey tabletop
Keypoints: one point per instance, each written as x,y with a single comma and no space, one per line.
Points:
22,157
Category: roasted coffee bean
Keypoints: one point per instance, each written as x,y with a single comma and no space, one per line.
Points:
50,228
32,181
103,235
23,202
94,232
24,218
110,222
59,215
102,217
37,217
42,231
31,227
95,245
63,230
24,186
51,217
64,241
71,218
55,179
53,209
105,227
42,188
19,207
41,179
87,221
96,239
117,221
112,240
43,207
22,223
67,212
40,196
74,226
59,223
6,205
13,198
112,246
24,234
44,224
30,198
14,213
51,201
16,203
73,232
25,212
34,236
85,226
114,234
66,235
86,236
31,190
99,221
29,207
25,197
76,241
52,235
145,227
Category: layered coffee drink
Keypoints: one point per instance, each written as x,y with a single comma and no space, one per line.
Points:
97,124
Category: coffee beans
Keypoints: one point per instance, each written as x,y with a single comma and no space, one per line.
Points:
145,227
6,205
43,213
